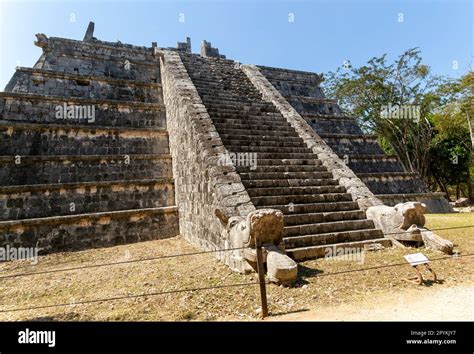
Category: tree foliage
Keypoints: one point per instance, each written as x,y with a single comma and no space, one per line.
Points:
418,116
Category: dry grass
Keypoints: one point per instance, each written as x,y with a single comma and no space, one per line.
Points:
315,286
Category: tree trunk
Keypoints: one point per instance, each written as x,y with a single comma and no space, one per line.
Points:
442,186
469,123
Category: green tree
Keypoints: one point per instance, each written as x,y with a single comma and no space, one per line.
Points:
451,151
437,141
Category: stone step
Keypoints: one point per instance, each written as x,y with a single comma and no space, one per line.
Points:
327,227
219,102
300,199
283,168
249,120
256,134
255,126
218,95
304,190
82,231
266,183
293,208
312,218
37,139
82,168
331,238
286,155
284,175
253,138
262,117
239,110
289,162
266,149
218,90
301,253
43,200
275,142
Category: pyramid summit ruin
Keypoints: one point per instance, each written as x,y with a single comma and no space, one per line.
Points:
108,143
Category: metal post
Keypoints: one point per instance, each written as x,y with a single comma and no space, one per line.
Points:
261,278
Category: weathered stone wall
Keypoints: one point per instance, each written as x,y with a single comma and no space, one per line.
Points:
31,108
86,168
435,202
98,58
202,185
48,82
359,191
85,181
307,106
380,184
35,139
43,200
332,126
77,232
353,144
374,163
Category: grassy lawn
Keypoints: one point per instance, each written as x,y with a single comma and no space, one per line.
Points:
321,282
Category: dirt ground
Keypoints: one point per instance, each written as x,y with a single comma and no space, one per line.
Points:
451,304
325,289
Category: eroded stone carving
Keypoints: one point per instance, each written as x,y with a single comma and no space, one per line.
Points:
405,222
266,227
42,40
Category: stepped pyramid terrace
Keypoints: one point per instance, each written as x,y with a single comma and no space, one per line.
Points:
108,143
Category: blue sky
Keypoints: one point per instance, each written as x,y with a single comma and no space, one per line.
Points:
322,36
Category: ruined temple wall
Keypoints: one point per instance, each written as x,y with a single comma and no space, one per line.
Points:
99,59
202,183
114,169
48,82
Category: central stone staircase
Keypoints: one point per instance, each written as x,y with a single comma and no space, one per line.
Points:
288,176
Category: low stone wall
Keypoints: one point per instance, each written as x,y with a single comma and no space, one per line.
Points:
201,183
435,202
78,232
359,191
43,200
